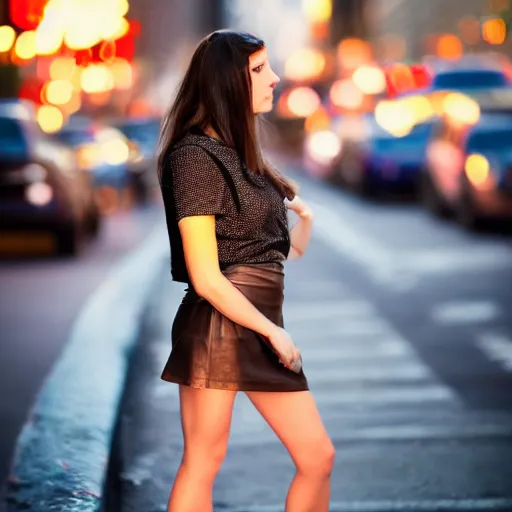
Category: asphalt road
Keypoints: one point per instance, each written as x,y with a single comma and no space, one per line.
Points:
405,325
40,298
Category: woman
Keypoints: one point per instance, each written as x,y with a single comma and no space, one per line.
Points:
226,217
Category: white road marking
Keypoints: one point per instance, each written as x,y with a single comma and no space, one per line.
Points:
311,310
432,261
400,269
333,229
345,352
261,433
454,505
384,396
465,312
374,372
497,347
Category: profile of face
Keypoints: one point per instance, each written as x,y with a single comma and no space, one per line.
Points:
263,81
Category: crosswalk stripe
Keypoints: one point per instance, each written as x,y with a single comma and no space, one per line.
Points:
497,347
454,505
337,329
336,352
296,312
383,395
376,372
261,433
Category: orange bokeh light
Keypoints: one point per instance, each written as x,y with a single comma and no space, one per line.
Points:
494,31
449,46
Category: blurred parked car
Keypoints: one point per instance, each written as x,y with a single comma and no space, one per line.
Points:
370,160
384,162
102,150
469,169
462,79
45,200
143,134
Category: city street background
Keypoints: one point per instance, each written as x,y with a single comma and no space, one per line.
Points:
395,118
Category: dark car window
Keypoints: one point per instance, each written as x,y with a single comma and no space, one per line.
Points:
75,137
12,140
469,79
499,139
144,132
418,135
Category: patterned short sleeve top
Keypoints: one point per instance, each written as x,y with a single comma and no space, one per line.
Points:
203,176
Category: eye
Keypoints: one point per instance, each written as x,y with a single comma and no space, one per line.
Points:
257,69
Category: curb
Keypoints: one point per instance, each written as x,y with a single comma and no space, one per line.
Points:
61,457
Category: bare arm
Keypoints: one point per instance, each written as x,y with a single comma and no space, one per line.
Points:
300,234
201,258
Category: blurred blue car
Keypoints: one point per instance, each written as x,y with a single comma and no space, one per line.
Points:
143,134
461,79
469,170
382,162
103,151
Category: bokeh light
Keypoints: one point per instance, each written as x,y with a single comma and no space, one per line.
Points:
370,79
396,117
449,46
49,38
122,73
353,52
7,38
97,78
494,31
317,11
323,146
25,47
50,118
59,92
318,120
303,101
304,64
39,194
345,94
477,168
62,68
461,108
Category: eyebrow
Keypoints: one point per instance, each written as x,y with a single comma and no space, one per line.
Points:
257,64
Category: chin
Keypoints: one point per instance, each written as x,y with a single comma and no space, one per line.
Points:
267,106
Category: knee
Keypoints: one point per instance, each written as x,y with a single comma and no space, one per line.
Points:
318,460
206,460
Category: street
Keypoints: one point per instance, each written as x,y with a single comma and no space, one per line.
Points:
405,329
41,299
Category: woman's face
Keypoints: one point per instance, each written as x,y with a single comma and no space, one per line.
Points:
263,81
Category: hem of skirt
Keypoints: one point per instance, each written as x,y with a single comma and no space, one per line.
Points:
234,386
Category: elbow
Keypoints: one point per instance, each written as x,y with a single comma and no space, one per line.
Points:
205,286
294,254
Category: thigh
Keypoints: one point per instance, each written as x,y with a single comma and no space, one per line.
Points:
295,419
205,417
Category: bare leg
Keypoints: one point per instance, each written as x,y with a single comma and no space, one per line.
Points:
206,422
295,419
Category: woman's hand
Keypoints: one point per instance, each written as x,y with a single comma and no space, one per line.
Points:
299,207
288,353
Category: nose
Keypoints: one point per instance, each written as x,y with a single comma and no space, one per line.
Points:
275,80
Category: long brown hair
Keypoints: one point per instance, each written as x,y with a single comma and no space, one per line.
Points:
216,92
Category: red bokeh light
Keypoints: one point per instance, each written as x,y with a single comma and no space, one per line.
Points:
26,14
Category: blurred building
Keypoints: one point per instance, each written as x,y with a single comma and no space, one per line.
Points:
413,28
349,20
170,31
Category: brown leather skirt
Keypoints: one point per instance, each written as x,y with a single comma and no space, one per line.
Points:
211,351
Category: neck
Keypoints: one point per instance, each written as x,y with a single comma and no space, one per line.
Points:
211,132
